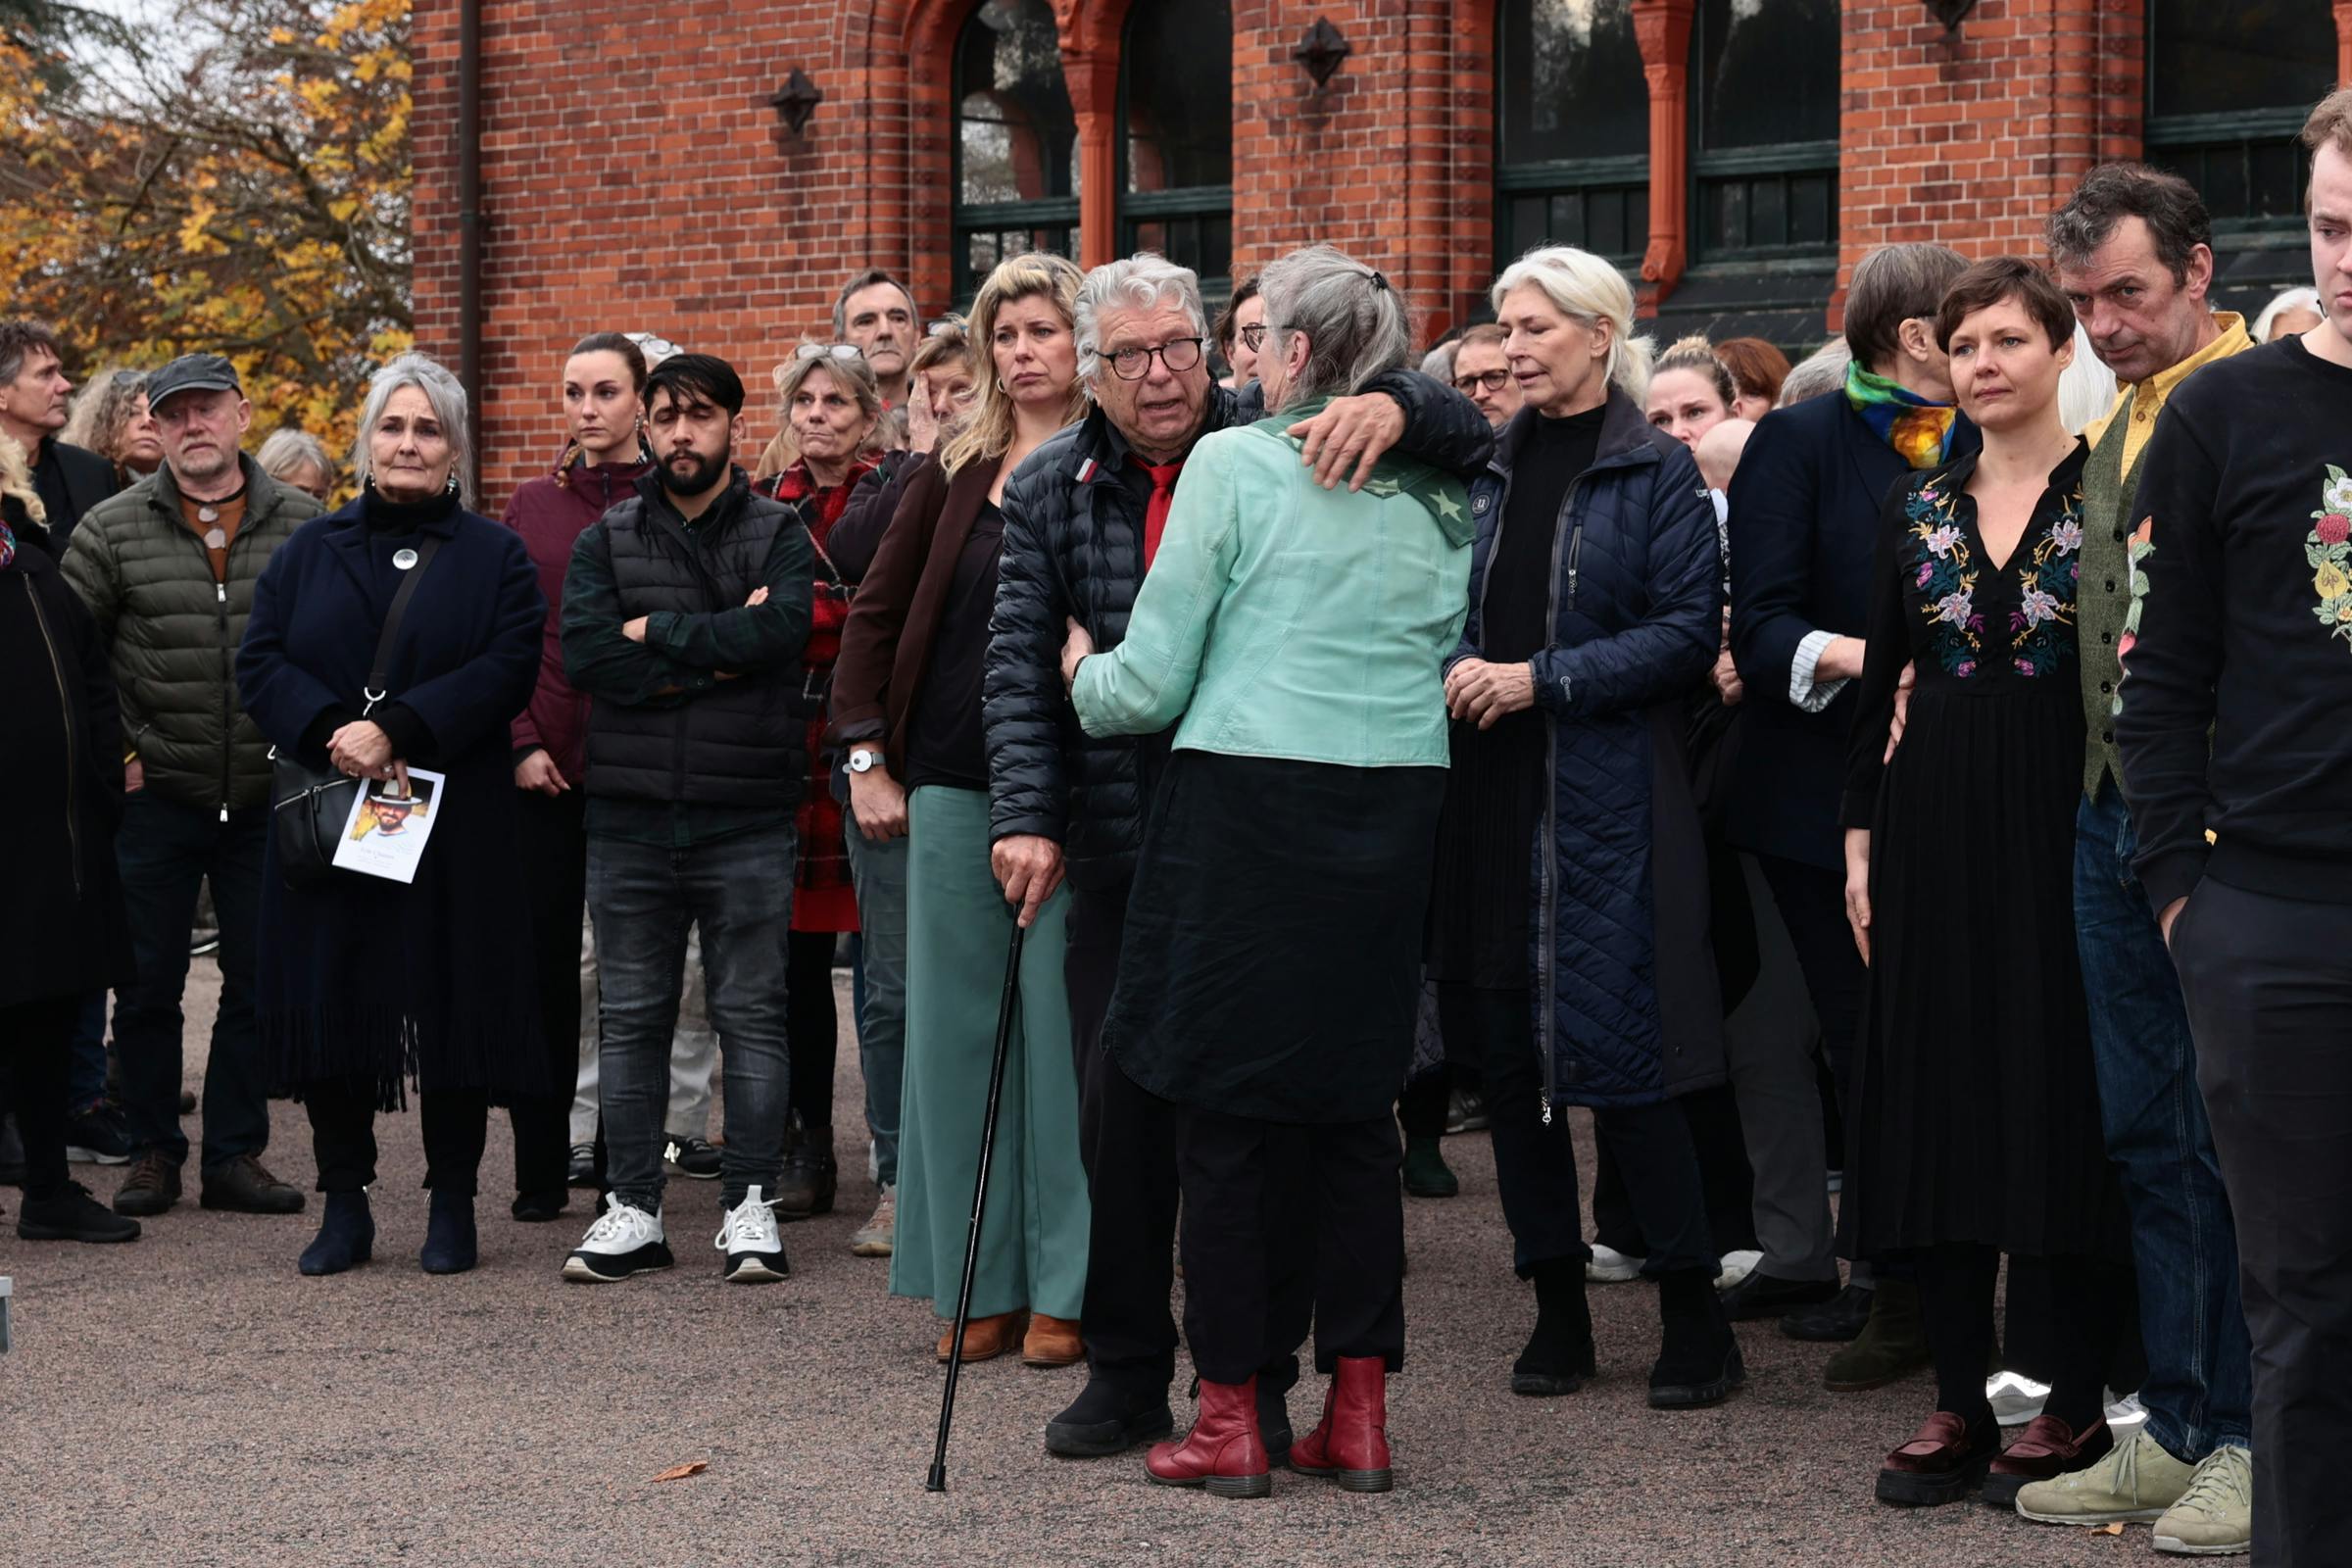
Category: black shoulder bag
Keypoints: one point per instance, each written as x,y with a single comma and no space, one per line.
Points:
309,806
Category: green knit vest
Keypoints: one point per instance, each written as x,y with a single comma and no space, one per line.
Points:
2104,594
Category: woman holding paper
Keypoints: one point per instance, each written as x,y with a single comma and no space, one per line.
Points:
370,985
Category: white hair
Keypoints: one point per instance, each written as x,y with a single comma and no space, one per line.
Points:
2087,388
290,449
1582,285
431,377
1354,322
1437,363
1143,281
2294,299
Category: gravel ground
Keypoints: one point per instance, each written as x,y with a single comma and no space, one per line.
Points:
190,1400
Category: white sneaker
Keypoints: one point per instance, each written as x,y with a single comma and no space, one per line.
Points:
1609,1267
2125,1412
876,1236
748,1236
625,1240
1738,1266
2016,1398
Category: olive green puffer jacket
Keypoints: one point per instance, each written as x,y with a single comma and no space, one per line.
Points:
173,633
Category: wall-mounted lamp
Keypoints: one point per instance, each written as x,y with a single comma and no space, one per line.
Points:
1322,50
1950,12
796,100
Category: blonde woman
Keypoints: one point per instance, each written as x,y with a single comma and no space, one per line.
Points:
907,704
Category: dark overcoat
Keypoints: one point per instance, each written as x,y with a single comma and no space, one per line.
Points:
369,979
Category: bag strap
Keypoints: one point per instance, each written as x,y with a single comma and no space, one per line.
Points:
378,684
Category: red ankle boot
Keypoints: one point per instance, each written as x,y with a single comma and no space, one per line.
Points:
1353,1441
1223,1452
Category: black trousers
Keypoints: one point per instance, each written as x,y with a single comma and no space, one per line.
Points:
1127,1143
1241,1179
1812,906
2269,985
1534,1163
553,836
811,1023
456,1123
36,1045
1421,1108
1727,1181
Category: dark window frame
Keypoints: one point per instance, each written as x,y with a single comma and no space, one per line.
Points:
1776,167
1197,207
1583,180
1009,227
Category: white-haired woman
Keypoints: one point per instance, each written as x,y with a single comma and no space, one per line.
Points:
1268,979
1571,901
299,458
907,706
370,985
2291,315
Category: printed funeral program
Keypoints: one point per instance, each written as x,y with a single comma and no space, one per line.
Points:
388,827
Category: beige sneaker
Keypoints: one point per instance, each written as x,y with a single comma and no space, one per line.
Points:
2215,1516
875,1236
2137,1481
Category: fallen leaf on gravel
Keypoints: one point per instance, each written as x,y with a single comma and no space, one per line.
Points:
679,1472
2108,1530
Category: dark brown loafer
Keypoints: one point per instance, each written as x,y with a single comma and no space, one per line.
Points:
1939,1465
245,1186
2045,1450
151,1187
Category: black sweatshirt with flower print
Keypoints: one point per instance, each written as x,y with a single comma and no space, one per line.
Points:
2235,723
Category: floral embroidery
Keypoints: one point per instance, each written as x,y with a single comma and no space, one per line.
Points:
2143,545
2046,586
2329,550
1943,568
1946,576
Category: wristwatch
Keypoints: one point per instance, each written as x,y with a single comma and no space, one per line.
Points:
863,759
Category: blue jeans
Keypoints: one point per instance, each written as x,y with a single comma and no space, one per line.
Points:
880,871
2199,1390
737,891
164,851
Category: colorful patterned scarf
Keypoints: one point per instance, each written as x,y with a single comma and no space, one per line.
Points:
8,545
1919,431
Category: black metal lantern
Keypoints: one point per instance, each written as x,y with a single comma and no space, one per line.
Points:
796,100
1322,50
1951,11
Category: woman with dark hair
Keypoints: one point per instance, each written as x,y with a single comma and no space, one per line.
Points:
830,403
368,985
1976,1113
604,411
1757,370
1240,327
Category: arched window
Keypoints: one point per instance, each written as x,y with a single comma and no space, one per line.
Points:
1176,135
1572,129
1764,91
1016,141
2230,82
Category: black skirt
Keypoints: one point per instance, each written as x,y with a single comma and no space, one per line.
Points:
1271,965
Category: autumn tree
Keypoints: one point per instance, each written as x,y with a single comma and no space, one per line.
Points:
236,182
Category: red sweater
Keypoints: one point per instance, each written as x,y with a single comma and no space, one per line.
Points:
551,514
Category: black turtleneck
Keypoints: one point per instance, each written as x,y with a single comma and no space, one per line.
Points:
384,515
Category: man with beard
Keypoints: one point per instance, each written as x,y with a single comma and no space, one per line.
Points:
1082,518
684,615
874,311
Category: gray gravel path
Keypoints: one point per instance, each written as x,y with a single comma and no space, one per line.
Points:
190,1400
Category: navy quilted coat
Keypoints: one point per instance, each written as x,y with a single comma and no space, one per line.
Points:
1627,1002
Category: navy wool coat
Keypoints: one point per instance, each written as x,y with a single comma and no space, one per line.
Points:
1627,1002
367,979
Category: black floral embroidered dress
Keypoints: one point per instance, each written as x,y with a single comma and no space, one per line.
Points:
1977,1110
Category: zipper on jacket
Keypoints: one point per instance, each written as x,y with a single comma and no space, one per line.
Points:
1546,955
229,723
65,706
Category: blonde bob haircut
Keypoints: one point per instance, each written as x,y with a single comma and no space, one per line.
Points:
854,377
1021,277
1583,286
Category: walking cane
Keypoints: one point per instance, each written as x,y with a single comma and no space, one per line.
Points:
938,1480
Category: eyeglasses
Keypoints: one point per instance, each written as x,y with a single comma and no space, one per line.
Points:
1254,335
1492,380
1178,354
839,351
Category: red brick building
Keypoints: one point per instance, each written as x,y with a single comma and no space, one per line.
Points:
709,170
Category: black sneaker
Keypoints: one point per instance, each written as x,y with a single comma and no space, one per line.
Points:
625,1240
94,1135
73,1215
1465,1113
697,1157
582,1169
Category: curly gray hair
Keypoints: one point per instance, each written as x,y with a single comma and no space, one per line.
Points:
1142,281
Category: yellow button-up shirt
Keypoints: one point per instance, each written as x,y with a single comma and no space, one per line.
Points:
2147,398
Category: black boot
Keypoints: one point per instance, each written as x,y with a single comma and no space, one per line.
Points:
1699,1362
1559,1354
346,1236
1109,1418
1274,1420
449,1240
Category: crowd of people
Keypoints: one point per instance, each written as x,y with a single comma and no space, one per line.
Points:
1820,772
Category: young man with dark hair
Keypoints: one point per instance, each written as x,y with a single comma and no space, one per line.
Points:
2133,253
874,311
685,614
2237,671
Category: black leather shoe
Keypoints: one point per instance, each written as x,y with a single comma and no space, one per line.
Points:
1107,1419
1835,1321
1762,1296
72,1214
245,1186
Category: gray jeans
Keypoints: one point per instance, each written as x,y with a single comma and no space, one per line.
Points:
880,871
642,898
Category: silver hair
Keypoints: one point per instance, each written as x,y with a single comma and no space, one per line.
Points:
1583,286
2087,388
2294,299
431,377
1817,374
290,449
1355,323
1142,281
1437,363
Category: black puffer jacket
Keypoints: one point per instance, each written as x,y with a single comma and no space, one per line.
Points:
1073,547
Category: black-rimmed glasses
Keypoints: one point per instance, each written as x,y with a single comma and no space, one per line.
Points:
1178,354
